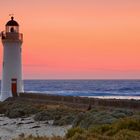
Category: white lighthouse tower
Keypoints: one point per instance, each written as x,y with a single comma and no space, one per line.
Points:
12,40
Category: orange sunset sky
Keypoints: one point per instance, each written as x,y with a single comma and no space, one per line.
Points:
77,39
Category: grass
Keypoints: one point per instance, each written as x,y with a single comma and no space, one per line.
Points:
122,129
100,123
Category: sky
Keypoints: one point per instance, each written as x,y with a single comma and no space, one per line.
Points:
77,39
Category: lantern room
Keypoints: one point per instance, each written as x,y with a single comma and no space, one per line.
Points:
12,26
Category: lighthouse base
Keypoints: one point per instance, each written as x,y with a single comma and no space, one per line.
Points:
5,95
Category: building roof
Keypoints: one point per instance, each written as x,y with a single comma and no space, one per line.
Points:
12,22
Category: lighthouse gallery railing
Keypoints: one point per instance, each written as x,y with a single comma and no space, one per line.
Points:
12,36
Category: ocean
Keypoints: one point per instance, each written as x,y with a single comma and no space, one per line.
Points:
90,88
86,88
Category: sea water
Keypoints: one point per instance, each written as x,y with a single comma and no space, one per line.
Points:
90,88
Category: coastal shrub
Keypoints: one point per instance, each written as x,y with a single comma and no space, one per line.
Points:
128,123
101,129
15,113
66,120
113,129
19,110
82,134
77,130
87,121
64,116
79,136
63,111
78,119
43,116
103,118
53,114
135,116
121,113
61,116
100,116
127,135
2,108
123,129
91,119
98,127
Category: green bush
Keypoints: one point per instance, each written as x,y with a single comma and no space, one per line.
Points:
71,132
79,136
101,129
125,134
121,113
100,116
78,119
60,116
123,129
43,116
91,119
66,120
128,123
2,108
19,110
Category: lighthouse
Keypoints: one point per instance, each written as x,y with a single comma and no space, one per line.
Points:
11,83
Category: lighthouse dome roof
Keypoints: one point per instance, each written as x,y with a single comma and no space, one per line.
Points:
12,22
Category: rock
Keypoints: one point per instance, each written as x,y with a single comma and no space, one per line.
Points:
29,122
5,124
37,126
20,123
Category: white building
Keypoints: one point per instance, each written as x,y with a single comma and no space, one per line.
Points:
12,40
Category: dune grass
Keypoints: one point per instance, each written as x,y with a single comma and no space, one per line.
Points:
99,123
122,129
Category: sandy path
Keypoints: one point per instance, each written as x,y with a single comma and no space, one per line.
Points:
12,128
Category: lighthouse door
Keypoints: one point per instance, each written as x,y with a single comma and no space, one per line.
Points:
14,87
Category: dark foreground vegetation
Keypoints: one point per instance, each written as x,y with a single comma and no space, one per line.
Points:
96,123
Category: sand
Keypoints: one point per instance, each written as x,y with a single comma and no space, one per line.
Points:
12,128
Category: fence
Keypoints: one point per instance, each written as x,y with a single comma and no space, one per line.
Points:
135,104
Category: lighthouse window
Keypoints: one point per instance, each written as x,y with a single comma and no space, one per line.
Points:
12,29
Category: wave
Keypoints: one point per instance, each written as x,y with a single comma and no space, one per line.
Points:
86,93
